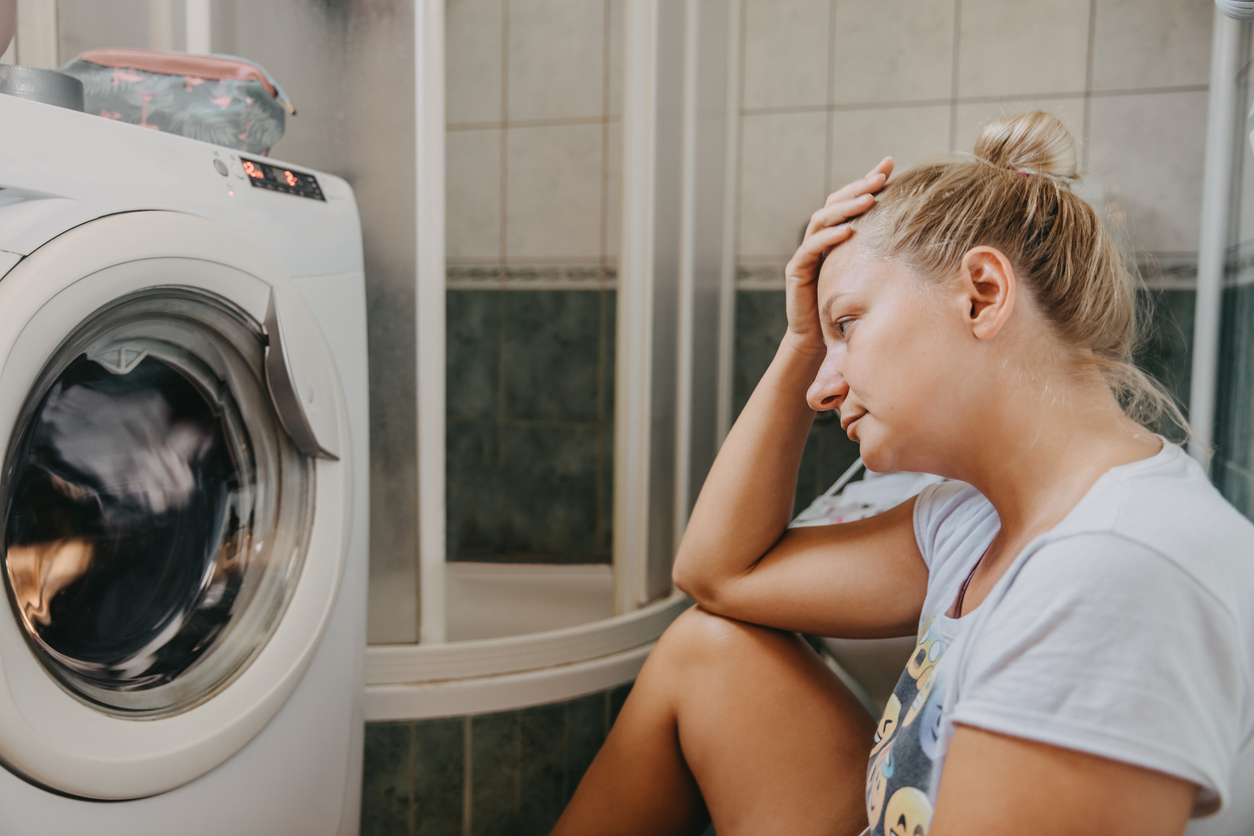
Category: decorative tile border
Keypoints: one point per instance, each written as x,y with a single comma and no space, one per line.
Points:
540,277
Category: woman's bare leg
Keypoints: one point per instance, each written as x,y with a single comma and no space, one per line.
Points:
746,720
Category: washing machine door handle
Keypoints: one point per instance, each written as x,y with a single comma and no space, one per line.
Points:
299,374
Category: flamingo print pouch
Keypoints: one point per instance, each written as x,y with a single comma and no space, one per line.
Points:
215,98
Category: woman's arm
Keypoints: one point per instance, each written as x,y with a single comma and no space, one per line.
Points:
995,784
861,579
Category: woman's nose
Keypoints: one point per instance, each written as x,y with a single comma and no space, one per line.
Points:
829,388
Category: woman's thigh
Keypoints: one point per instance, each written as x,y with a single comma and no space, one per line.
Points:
743,720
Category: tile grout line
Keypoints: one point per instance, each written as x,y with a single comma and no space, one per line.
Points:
740,153
1086,127
468,774
953,78
903,104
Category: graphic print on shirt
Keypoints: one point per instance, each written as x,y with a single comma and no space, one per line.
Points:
902,759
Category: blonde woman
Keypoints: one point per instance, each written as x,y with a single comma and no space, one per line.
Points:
1083,597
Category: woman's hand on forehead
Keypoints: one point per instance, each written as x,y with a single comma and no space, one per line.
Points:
828,228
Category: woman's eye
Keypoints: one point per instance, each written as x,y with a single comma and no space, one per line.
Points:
843,326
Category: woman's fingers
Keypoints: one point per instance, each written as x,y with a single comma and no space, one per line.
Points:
813,249
836,213
872,182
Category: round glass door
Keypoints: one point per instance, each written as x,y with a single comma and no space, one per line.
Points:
155,512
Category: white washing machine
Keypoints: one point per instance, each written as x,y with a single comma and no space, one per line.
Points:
183,420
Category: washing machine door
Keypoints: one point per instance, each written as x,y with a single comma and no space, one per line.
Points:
174,499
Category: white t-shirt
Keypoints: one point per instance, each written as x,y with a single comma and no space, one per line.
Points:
1126,631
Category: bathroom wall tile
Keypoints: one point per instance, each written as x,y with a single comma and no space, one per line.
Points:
1146,157
1022,49
760,325
971,118
785,53
861,138
472,55
604,537
473,189
1243,206
550,477
476,495
830,452
473,328
893,50
1234,431
609,343
387,787
615,57
494,770
554,192
552,354
556,59
781,181
613,192
1151,43
586,731
618,696
439,774
542,768
1166,352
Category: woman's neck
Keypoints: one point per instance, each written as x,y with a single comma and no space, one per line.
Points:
1035,457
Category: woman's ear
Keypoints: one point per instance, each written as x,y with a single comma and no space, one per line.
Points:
989,285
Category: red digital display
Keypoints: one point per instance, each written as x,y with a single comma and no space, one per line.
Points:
267,176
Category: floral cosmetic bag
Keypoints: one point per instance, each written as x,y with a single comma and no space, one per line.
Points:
215,98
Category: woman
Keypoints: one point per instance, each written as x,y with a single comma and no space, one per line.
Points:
1083,598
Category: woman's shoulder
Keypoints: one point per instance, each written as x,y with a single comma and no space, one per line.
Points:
1167,506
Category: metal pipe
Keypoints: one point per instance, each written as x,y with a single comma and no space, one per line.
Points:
1213,240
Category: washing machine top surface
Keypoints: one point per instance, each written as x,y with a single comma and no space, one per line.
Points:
60,168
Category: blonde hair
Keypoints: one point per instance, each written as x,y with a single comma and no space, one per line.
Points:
1015,195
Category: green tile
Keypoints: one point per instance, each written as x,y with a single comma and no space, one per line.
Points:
618,696
760,325
552,354
550,475
386,797
542,768
1165,352
477,499
439,776
473,373
609,344
585,733
604,535
494,769
1233,467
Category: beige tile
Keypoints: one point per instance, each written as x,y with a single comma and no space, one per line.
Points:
861,138
781,181
1245,209
473,189
893,50
472,55
1151,43
1022,47
616,57
556,58
785,53
554,193
1146,159
970,119
614,193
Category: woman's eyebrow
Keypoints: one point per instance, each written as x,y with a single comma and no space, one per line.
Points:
830,303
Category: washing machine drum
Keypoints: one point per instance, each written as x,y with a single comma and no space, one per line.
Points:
156,508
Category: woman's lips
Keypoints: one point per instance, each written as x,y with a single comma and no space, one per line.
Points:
846,423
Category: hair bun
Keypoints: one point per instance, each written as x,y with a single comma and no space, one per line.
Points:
1031,143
